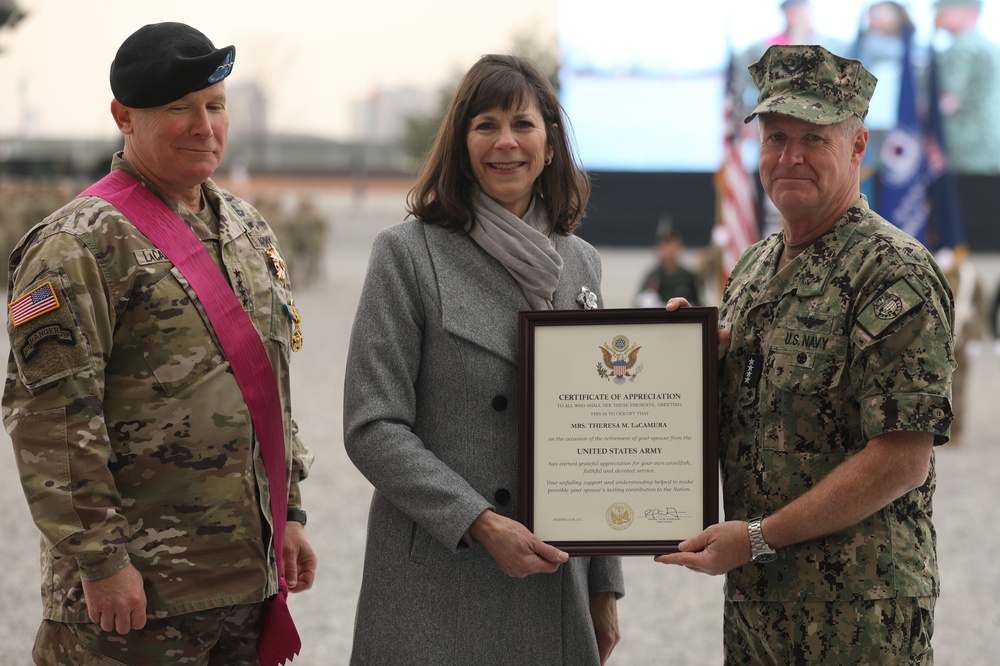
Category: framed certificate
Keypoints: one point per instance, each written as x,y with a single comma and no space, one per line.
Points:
618,428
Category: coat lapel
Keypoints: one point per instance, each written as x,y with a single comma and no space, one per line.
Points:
577,273
474,287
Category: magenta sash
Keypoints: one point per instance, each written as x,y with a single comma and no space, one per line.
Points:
278,640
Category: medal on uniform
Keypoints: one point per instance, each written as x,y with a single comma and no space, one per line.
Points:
297,338
277,263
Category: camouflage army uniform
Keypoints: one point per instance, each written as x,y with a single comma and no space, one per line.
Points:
851,340
131,436
970,69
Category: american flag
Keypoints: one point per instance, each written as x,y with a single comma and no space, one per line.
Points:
736,195
38,301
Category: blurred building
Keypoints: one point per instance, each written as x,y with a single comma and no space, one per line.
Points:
248,110
258,155
381,117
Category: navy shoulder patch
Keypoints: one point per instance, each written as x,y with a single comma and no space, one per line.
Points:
897,300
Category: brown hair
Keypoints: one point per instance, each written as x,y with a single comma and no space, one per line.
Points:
443,193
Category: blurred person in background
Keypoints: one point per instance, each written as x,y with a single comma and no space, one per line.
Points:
798,27
835,387
669,279
970,88
430,405
880,46
138,451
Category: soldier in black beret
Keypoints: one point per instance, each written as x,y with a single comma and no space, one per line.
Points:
160,64
142,455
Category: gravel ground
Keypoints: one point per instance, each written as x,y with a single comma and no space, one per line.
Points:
669,616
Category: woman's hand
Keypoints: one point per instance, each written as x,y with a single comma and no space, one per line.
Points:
517,551
604,613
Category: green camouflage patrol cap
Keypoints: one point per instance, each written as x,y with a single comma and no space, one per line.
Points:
811,84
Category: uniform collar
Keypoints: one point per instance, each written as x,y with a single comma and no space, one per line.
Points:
809,273
230,226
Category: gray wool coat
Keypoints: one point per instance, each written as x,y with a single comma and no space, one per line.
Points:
430,418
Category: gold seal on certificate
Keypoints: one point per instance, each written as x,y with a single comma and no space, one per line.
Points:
618,422
620,516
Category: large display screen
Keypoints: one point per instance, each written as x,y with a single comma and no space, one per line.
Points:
642,81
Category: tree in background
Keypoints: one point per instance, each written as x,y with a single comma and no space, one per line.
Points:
10,14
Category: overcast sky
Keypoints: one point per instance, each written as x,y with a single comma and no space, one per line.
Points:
314,57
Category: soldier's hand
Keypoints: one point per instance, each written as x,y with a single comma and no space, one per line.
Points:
717,550
678,303
300,558
118,602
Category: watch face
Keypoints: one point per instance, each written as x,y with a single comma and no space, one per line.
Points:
765,557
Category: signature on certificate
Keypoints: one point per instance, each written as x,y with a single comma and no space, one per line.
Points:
665,514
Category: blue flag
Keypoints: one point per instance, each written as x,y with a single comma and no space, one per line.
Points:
902,192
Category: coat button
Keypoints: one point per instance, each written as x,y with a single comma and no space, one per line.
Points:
499,403
502,497
802,358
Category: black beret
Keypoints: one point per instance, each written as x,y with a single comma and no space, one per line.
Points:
162,62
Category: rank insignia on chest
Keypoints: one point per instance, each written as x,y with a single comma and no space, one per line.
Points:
277,263
752,366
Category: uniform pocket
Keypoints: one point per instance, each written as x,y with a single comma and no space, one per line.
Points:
175,339
804,399
804,372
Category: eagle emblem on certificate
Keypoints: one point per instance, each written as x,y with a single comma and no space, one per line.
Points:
620,516
619,360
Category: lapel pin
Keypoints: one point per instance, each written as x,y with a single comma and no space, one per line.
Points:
587,299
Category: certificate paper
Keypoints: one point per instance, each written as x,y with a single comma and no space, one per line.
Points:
618,428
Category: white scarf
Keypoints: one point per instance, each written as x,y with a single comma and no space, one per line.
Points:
521,245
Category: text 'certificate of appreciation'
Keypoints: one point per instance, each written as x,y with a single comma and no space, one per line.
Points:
618,428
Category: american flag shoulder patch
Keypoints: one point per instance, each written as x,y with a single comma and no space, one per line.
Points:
35,303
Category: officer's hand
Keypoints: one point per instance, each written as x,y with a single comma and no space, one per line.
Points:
118,602
678,303
717,550
300,558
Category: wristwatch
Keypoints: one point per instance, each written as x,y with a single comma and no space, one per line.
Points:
759,550
298,515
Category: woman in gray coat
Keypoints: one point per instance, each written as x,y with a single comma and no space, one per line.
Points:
430,408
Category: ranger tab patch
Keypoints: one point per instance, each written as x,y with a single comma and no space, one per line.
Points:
35,303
